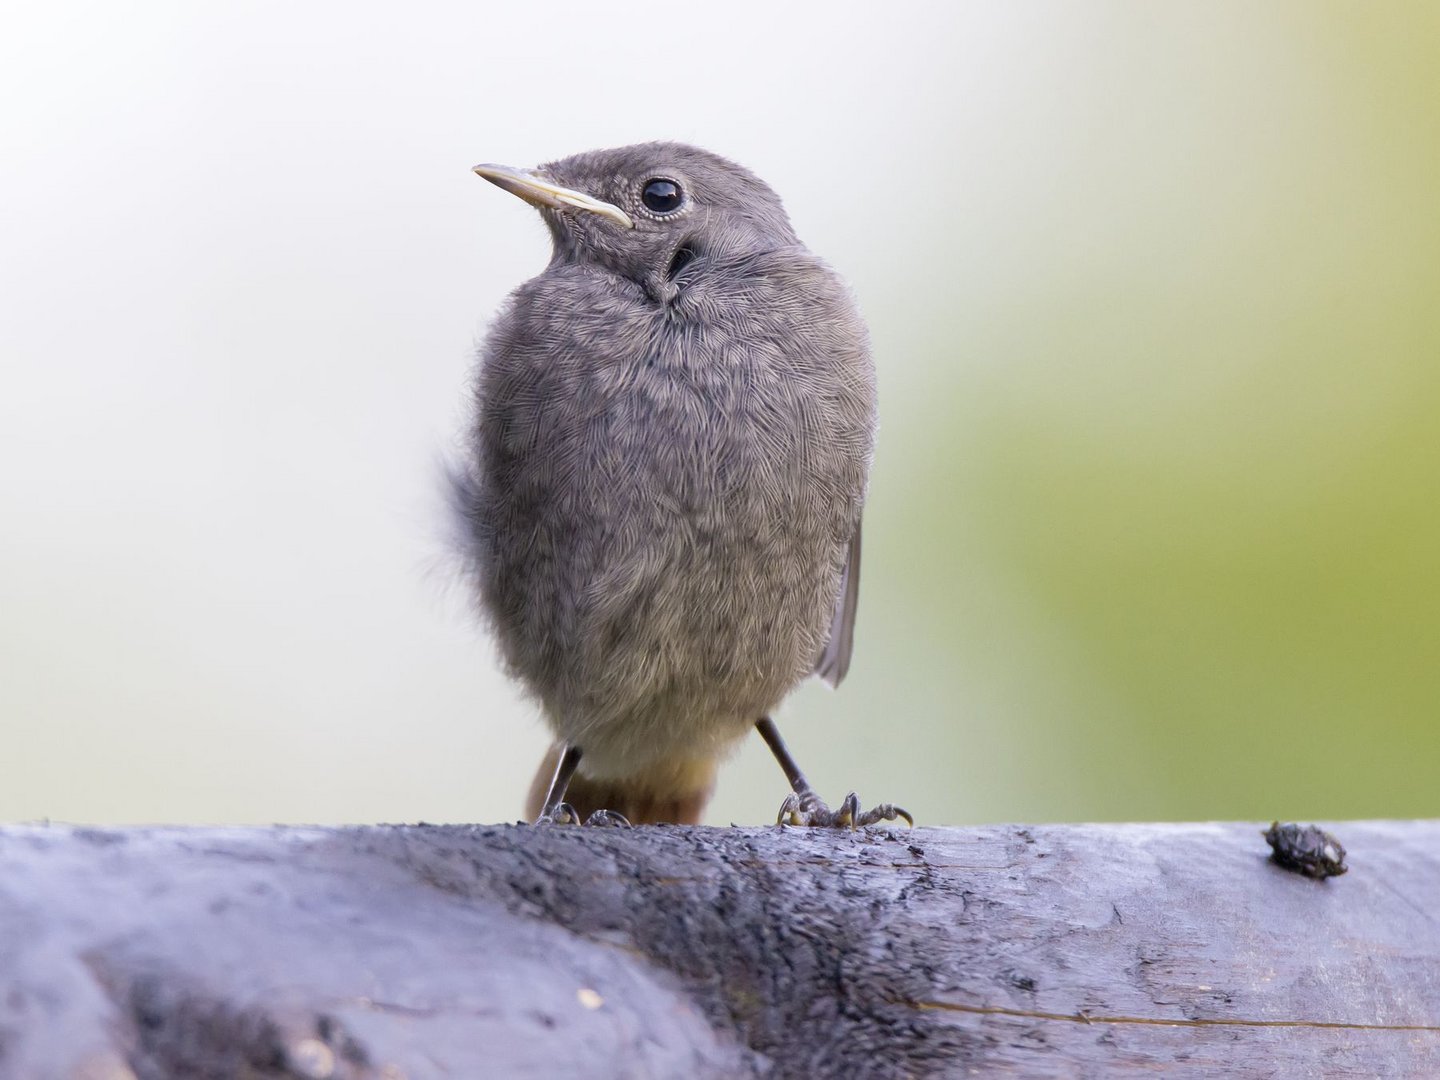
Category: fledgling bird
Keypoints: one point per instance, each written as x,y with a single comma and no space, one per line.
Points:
661,501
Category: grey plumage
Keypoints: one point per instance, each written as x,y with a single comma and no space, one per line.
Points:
661,502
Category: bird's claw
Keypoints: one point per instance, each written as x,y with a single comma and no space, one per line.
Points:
565,814
810,809
608,817
559,814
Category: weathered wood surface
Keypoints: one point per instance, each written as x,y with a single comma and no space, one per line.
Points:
664,952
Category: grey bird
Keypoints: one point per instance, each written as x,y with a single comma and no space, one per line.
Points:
660,503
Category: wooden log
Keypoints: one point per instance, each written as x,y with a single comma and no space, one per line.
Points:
472,952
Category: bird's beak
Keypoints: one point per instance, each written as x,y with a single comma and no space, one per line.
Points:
538,191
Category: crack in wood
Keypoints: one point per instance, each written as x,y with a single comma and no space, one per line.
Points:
1155,1021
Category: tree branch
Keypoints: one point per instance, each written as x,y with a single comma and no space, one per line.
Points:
424,951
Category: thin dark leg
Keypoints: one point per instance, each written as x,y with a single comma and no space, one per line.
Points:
771,734
559,783
557,811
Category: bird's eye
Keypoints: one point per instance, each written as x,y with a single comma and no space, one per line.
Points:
661,196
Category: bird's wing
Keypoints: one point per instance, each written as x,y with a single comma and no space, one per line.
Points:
834,659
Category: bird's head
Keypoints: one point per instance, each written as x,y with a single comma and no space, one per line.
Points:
651,212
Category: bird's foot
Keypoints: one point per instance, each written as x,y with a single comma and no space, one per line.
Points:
608,817
810,809
559,814
565,814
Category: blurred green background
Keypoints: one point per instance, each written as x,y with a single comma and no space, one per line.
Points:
1153,529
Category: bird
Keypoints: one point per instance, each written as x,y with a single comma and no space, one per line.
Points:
660,495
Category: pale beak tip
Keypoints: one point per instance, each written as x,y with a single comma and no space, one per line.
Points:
546,194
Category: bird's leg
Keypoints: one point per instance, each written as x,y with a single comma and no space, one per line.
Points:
804,807
557,811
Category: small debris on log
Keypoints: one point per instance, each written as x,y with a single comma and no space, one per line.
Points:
1306,849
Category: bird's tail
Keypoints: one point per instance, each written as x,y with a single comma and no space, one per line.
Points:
644,800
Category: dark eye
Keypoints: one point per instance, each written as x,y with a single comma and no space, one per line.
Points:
661,196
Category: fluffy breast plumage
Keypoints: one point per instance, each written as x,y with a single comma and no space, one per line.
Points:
663,495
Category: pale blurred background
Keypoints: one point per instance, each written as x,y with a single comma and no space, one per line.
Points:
1154,529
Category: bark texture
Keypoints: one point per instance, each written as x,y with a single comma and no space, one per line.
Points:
447,951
